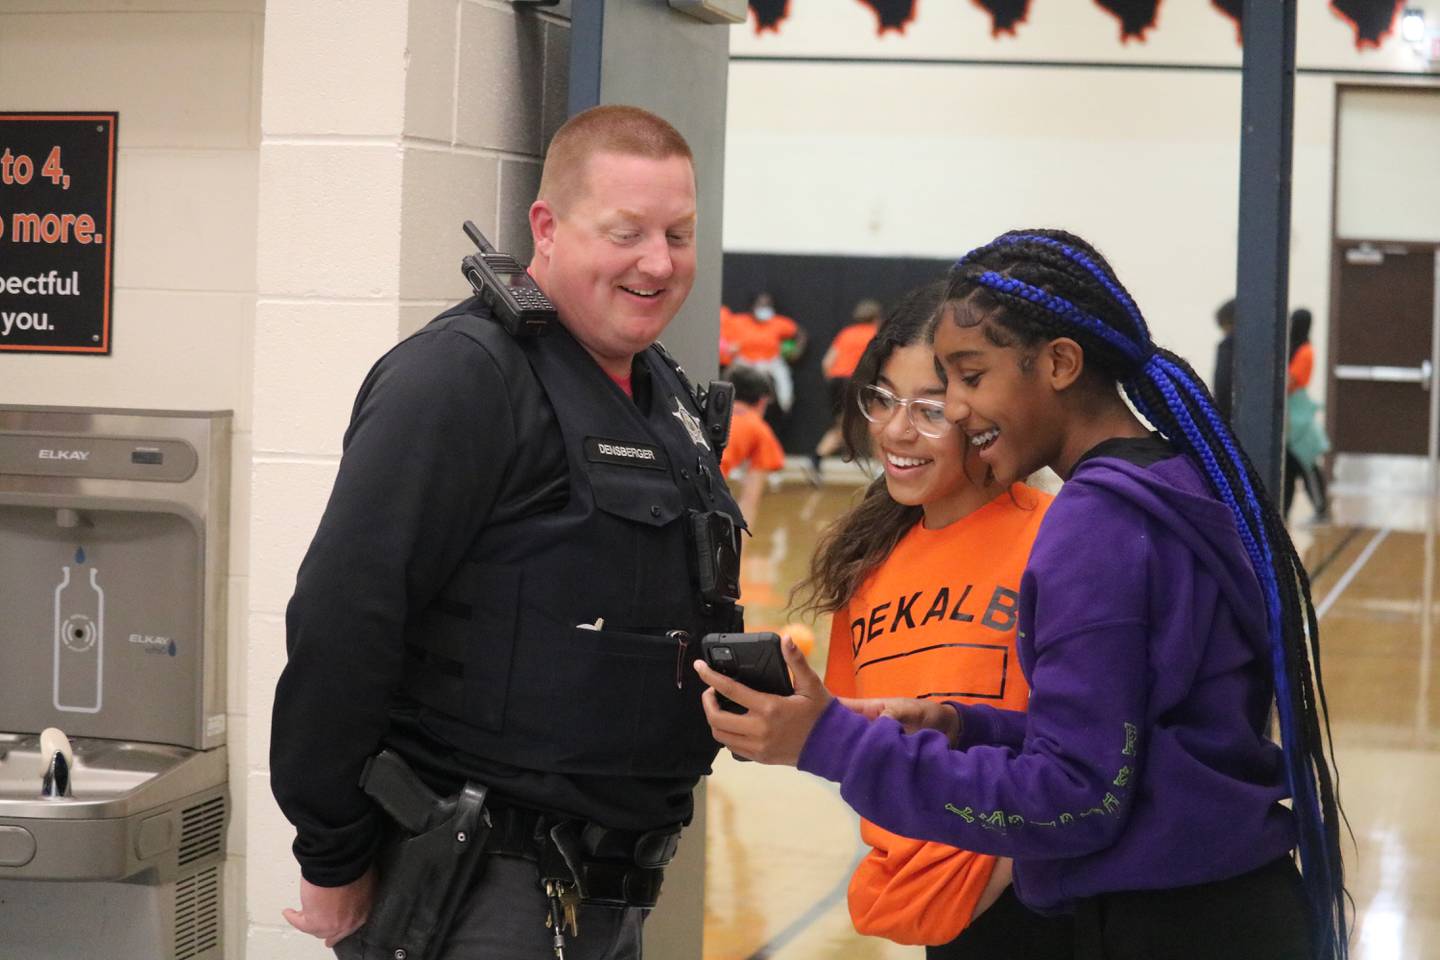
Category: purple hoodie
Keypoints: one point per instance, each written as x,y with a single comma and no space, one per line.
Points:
1142,762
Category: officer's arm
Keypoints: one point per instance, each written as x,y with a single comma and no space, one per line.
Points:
430,439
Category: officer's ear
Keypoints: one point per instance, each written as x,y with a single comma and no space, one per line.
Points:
543,222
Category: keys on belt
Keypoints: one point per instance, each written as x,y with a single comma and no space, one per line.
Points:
564,913
561,863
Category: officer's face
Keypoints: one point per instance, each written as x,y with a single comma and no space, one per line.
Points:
619,260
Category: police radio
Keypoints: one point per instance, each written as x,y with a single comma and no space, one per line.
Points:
503,285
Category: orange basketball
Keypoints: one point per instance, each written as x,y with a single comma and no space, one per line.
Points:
803,636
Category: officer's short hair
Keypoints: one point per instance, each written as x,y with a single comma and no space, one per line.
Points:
751,386
612,128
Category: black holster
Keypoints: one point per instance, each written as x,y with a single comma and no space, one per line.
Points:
425,872
574,852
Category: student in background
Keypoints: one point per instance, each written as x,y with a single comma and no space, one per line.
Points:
769,342
1224,379
729,348
753,444
934,533
1305,438
838,364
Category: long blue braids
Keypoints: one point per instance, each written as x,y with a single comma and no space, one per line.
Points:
1034,285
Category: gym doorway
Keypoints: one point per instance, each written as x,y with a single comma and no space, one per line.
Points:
1385,288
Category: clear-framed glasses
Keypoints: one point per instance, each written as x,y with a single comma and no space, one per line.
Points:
926,416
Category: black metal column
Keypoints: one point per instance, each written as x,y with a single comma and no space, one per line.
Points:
1263,273
587,47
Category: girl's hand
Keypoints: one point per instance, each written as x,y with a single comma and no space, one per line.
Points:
913,715
775,728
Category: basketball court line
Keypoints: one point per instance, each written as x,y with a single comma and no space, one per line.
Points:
807,919
1351,572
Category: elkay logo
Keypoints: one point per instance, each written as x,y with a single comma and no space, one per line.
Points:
81,455
154,644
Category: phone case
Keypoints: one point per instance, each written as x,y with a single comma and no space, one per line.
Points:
754,659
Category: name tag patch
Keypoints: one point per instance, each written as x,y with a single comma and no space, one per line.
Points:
625,453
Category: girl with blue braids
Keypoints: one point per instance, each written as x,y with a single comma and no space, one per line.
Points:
1162,614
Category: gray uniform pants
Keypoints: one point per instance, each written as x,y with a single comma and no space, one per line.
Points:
503,918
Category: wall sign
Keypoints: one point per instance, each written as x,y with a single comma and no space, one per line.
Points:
57,202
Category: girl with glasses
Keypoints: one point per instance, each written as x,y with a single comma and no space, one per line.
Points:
921,580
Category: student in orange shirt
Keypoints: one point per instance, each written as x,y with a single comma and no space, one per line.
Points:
923,581
1305,439
838,364
752,442
769,341
729,347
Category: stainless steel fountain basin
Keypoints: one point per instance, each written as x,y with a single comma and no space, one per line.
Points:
125,813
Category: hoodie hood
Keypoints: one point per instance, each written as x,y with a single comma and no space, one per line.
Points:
1176,494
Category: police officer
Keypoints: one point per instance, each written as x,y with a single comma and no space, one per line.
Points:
525,541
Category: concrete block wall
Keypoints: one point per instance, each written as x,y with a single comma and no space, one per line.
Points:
485,90
384,125
184,76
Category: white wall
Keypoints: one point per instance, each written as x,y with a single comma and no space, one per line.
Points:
931,160
185,78
384,126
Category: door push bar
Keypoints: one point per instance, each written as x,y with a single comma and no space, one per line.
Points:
1422,374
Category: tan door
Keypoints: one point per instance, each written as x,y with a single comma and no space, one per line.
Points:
1382,329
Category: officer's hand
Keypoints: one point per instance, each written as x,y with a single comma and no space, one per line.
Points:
333,913
775,728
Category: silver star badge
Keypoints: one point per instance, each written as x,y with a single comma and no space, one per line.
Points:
692,426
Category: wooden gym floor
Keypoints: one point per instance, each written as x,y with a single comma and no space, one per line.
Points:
781,844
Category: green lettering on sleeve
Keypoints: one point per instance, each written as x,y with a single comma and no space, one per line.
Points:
968,814
1132,734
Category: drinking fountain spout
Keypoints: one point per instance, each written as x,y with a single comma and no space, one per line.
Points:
56,746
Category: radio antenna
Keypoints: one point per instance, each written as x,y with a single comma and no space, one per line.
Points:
476,237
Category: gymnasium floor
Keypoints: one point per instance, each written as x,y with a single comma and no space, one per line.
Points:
781,844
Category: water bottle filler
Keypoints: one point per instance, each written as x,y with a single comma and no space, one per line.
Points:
113,785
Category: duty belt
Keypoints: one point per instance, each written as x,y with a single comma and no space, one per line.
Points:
608,867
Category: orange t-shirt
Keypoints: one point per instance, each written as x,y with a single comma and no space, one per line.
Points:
752,442
936,620
758,341
848,345
728,346
1302,365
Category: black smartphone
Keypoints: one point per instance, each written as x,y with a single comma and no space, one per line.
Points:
752,658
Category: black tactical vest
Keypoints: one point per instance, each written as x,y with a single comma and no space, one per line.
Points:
511,646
